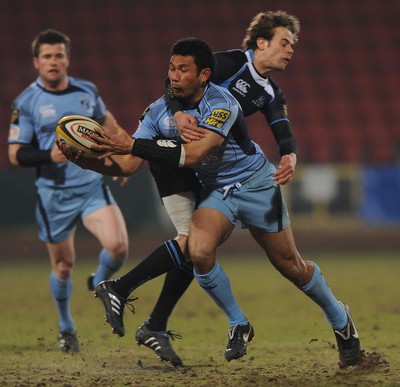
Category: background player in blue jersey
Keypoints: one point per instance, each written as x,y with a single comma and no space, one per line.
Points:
66,193
238,183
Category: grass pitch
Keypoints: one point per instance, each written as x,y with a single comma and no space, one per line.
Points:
293,345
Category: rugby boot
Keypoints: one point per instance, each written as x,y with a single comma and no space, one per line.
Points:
159,342
239,336
348,342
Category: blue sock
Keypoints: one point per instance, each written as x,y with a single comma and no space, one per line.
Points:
107,267
62,291
318,290
216,284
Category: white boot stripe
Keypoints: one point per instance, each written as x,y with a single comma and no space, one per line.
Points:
114,298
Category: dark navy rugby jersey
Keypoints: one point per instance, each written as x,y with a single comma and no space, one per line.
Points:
235,72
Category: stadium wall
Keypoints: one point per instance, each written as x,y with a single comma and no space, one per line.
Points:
325,192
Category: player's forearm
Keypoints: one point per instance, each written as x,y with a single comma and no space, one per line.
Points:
118,165
287,146
32,157
287,143
169,152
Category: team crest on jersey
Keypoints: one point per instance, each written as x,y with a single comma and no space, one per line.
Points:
260,102
85,103
285,110
218,118
15,116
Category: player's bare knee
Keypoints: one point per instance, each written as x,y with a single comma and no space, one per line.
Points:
203,263
119,250
63,270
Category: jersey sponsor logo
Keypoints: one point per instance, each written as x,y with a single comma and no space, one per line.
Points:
13,133
285,110
218,118
241,87
14,116
47,111
167,143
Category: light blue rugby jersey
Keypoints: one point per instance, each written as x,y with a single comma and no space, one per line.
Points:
217,111
35,113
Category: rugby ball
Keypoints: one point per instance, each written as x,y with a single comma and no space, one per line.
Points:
75,131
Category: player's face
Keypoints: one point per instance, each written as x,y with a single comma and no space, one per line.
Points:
52,63
276,53
186,82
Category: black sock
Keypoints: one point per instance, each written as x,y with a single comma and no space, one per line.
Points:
175,284
166,257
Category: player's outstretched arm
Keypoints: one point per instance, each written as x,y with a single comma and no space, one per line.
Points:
118,165
170,152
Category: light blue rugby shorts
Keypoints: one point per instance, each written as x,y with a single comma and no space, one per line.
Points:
59,210
256,202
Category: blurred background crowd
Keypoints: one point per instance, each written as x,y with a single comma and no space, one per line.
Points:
342,89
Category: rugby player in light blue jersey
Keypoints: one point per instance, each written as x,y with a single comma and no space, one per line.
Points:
267,47
238,184
67,194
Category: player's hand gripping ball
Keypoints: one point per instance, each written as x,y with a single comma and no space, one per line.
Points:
75,131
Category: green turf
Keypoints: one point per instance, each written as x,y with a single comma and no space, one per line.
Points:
294,344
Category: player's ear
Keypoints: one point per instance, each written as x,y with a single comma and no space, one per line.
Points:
35,62
261,43
205,74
